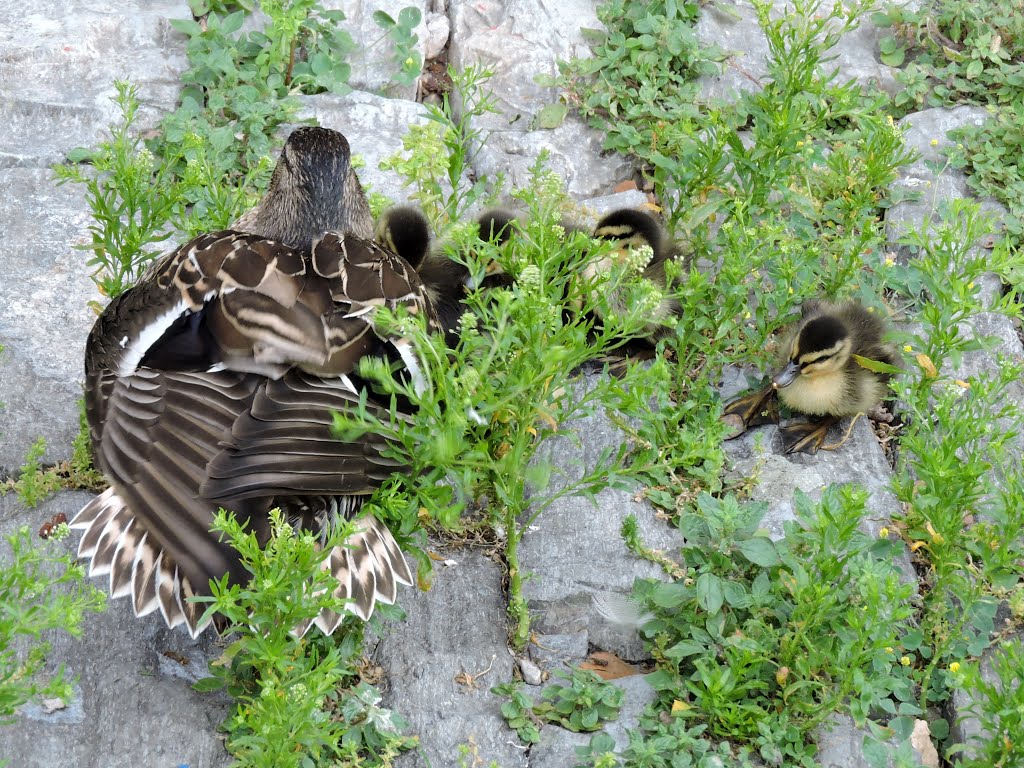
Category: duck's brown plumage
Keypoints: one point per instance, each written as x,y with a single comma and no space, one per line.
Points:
211,384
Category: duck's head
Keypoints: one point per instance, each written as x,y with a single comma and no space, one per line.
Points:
313,190
822,345
404,230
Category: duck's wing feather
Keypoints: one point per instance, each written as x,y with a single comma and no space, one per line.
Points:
212,384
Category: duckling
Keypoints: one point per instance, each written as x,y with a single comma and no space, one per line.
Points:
631,229
825,375
211,384
406,230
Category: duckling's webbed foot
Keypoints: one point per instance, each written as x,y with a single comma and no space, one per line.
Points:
808,436
761,407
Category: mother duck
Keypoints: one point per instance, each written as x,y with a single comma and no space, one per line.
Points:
211,384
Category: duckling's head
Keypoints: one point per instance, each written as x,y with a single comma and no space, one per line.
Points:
631,228
405,230
496,226
313,190
822,345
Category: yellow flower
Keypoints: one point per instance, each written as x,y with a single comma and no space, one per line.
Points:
905,661
908,349
883,533
935,142
954,667
888,649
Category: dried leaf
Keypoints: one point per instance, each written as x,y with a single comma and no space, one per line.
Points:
609,666
920,740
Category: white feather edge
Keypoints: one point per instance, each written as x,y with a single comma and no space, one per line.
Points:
110,504
136,349
103,510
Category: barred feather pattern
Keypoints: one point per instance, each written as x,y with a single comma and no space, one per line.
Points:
211,384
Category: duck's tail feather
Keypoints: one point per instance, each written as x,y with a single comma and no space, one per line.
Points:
119,548
368,566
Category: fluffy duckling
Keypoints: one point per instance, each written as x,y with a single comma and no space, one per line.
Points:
827,374
631,229
211,384
406,230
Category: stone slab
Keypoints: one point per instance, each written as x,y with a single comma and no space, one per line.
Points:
455,630
44,320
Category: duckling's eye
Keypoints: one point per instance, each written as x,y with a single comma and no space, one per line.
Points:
815,361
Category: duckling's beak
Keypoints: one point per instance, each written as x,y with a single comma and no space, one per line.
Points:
786,376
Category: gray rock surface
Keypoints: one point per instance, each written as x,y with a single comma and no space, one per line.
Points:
60,64
442,661
518,41
841,745
574,550
44,319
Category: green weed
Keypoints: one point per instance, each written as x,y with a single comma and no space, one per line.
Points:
998,706
444,149
40,590
298,702
582,704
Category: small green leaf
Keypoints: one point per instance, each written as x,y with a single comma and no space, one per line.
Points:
552,116
409,17
207,684
939,729
709,592
892,55
760,551
383,20
876,366
80,155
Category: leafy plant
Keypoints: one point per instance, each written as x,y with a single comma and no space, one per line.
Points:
583,704
132,197
988,152
293,706
400,32
959,51
34,485
40,590
509,383
444,150
764,639
961,491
